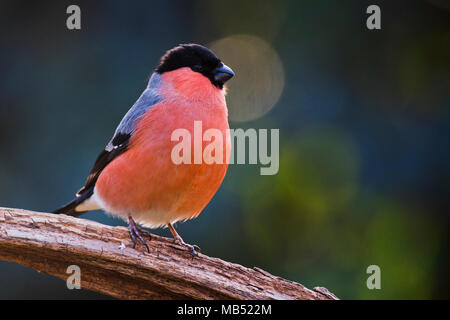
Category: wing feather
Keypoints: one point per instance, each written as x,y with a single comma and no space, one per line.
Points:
119,143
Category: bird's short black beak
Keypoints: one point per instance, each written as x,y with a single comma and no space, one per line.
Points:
222,74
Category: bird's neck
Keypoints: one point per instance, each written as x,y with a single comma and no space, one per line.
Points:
185,85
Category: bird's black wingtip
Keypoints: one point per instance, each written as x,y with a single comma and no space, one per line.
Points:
70,208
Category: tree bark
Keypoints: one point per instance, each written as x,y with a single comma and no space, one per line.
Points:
51,243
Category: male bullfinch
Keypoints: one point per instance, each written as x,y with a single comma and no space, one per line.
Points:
134,177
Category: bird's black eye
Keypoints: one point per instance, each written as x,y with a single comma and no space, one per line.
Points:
197,68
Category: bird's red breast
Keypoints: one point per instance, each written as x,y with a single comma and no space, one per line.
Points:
144,181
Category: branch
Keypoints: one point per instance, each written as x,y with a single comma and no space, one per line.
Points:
50,243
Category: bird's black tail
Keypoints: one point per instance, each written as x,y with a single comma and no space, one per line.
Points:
70,208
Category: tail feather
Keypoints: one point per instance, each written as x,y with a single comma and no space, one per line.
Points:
70,208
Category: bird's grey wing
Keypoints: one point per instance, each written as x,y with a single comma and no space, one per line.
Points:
119,143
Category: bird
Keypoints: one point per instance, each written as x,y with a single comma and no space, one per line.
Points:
134,176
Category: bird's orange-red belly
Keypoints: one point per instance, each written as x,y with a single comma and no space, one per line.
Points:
146,183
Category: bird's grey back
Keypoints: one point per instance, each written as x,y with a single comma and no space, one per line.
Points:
148,98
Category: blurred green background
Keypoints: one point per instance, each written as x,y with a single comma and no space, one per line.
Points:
364,123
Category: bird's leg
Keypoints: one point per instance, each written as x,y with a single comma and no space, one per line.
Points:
136,231
178,239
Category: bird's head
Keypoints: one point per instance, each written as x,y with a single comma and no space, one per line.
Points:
197,59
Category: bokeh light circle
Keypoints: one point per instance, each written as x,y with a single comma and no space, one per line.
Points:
259,75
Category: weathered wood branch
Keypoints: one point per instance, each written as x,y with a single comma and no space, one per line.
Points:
50,243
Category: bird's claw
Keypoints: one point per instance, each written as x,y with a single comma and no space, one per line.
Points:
135,231
192,248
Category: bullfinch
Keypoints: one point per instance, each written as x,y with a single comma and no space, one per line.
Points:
135,177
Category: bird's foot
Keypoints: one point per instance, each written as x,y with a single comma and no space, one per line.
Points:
192,248
136,232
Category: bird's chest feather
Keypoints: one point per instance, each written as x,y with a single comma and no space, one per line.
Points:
155,182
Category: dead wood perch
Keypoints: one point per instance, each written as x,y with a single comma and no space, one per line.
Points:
50,243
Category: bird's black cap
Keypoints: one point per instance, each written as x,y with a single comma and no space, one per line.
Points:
199,59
